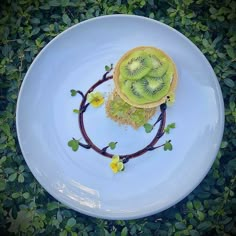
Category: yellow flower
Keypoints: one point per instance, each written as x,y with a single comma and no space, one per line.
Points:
116,165
170,99
95,99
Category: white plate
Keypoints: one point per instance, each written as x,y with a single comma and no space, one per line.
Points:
82,180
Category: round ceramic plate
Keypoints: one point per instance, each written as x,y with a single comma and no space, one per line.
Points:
83,180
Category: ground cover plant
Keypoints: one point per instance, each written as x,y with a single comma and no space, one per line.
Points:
26,26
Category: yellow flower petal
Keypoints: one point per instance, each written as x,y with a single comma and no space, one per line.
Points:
95,99
115,159
114,167
97,102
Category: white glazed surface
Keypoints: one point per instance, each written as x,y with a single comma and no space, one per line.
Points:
83,180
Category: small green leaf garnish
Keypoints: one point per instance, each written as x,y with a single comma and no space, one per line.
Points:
74,144
73,92
112,145
148,127
168,146
76,111
170,126
107,68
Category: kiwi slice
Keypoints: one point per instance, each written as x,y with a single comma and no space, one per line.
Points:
136,66
160,71
156,64
133,91
159,62
155,88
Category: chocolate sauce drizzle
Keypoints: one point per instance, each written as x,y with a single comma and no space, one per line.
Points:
103,151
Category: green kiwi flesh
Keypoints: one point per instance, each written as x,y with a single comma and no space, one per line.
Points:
159,63
133,92
137,65
154,89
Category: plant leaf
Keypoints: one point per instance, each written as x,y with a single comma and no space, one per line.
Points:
107,68
71,222
74,144
168,146
169,127
73,92
148,127
76,111
112,145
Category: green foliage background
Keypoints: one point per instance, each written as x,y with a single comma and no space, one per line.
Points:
26,26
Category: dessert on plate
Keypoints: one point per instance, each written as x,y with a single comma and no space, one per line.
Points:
144,77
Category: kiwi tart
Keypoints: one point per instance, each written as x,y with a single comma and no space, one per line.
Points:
144,77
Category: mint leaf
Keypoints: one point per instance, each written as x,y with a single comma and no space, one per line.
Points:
74,144
148,127
112,145
168,146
